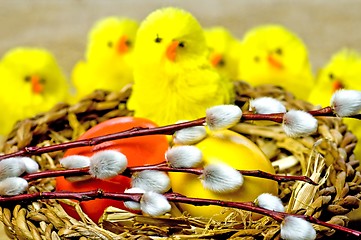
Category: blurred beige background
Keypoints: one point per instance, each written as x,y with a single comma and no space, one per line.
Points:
62,25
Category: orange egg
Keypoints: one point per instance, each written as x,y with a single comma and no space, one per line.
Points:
238,152
141,150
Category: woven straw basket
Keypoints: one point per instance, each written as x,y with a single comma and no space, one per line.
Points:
326,156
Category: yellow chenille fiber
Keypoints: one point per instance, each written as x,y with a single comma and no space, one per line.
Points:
173,79
224,51
108,58
343,71
32,83
272,54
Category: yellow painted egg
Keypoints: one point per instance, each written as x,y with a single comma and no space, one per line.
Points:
240,153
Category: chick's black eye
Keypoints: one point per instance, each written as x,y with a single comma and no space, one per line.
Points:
158,39
181,44
331,76
128,43
256,59
279,51
222,63
110,44
27,78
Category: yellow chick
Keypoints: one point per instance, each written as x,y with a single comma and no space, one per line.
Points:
342,71
224,51
271,54
173,79
32,83
108,64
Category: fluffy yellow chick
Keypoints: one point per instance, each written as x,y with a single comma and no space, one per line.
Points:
271,54
173,79
32,82
342,71
224,51
108,59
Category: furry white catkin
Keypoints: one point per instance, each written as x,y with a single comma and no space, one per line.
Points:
12,167
75,161
297,123
30,165
184,156
223,116
189,136
221,178
132,205
346,102
13,186
151,180
270,202
107,164
266,105
154,204
294,228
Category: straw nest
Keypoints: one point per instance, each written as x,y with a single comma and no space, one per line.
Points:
326,156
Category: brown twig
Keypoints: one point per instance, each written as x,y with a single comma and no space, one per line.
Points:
161,167
133,132
172,197
199,171
165,130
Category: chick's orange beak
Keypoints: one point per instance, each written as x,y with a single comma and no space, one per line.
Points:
122,46
215,59
274,62
336,85
172,50
36,86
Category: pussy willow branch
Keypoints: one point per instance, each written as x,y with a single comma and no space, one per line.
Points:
197,171
172,197
165,130
133,132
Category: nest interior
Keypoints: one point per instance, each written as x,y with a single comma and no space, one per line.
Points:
326,156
